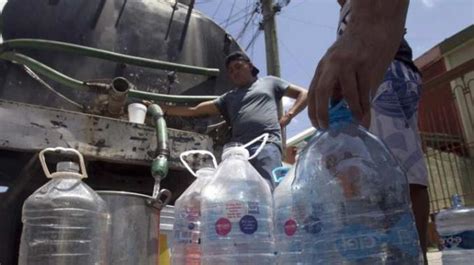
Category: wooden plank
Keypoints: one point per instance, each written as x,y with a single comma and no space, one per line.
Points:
25,127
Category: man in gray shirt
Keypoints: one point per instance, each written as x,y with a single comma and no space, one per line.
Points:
251,110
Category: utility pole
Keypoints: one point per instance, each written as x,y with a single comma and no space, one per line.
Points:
271,41
271,48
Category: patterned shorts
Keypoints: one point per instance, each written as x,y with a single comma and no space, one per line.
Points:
394,119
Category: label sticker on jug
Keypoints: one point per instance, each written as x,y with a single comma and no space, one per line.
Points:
223,226
402,235
358,241
235,209
248,224
290,227
192,214
253,208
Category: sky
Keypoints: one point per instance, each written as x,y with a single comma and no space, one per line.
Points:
306,28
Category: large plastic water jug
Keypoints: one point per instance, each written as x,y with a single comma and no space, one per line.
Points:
351,199
288,234
237,213
187,223
287,237
64,221
456,229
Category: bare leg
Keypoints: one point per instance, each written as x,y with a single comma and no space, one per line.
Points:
421,209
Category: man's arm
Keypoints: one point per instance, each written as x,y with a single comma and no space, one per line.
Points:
354,66
206,108
300,95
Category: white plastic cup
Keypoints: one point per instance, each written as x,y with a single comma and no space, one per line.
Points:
137,113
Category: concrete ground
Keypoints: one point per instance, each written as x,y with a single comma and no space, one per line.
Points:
434,258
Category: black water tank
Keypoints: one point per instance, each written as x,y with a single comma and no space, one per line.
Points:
146,28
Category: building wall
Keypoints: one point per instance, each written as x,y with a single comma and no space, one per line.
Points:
437,110
446,120
463,89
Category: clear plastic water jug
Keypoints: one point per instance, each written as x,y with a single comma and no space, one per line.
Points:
288,234
187,222
64,221
456,229
237,214
351,199
287,237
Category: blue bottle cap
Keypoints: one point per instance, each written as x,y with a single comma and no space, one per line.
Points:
456,201
339,111
279,174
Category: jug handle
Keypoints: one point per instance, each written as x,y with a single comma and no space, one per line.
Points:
192,152
264,141
61,150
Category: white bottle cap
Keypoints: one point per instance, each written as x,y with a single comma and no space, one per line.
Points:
236,150
205,172
67,169
67,166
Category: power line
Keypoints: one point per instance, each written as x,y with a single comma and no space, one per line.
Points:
283,3
230,13
217,9
237,16
248,4
247,23
238,19
308,22
255,27
300,65
296,5
254,38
